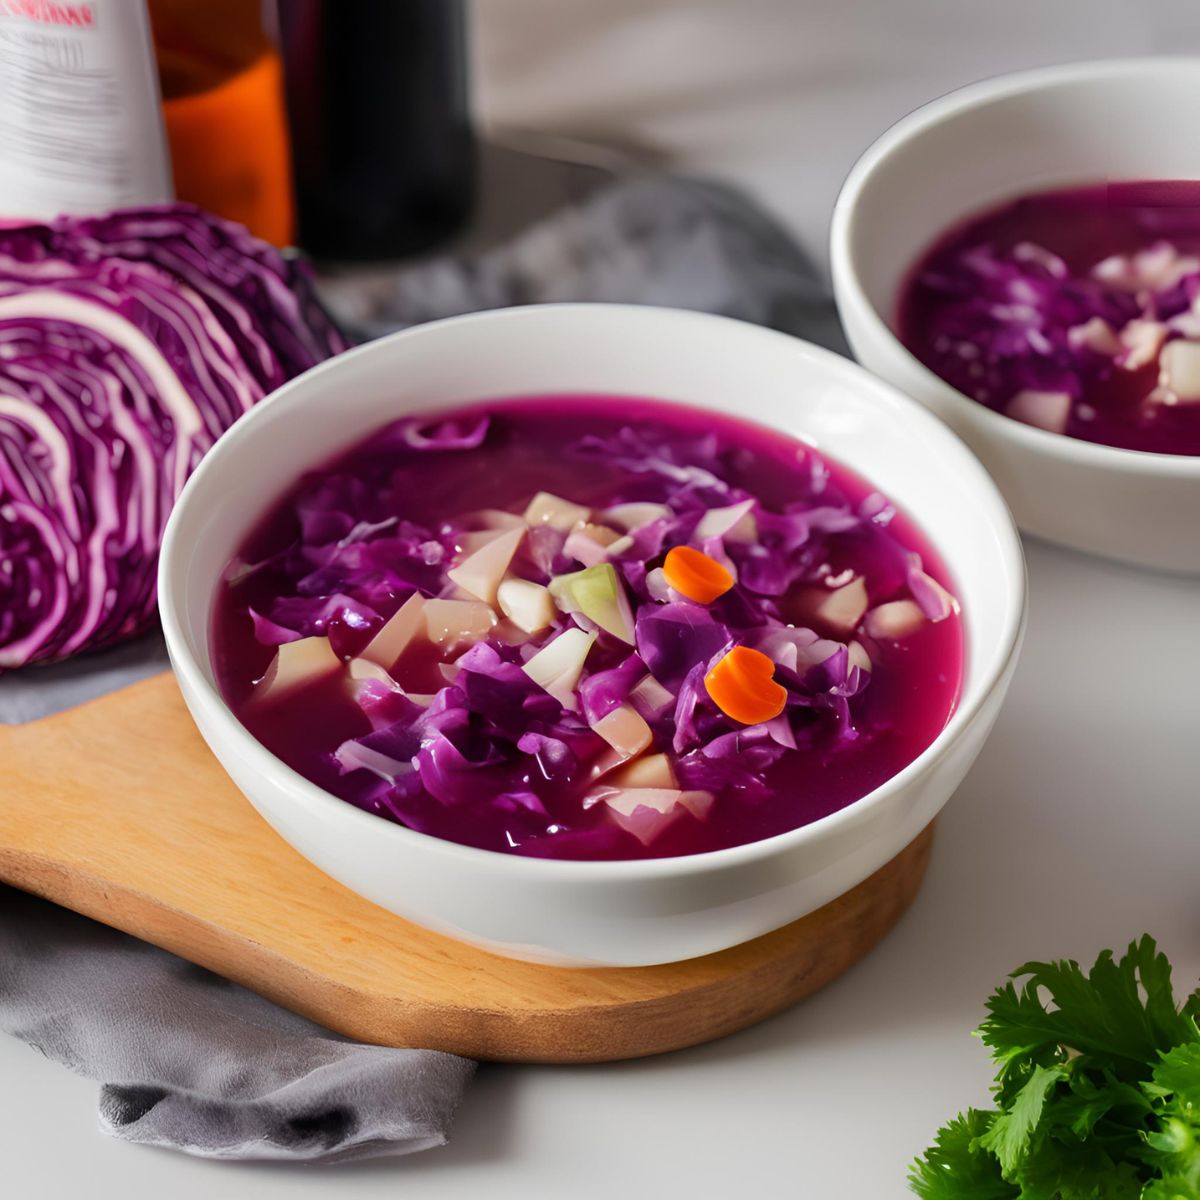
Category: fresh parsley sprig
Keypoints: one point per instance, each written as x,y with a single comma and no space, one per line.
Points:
1097,1093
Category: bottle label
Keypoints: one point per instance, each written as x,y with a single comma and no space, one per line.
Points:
81,127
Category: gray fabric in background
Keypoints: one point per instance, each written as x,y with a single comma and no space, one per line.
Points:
652,239
188,1060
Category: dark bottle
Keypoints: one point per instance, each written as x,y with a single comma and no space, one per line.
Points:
382,149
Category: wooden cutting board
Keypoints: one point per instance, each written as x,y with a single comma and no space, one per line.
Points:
118,810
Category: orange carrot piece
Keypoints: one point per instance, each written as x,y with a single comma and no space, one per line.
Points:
742,685
696,575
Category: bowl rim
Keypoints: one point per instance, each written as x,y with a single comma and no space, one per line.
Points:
848,287
198,686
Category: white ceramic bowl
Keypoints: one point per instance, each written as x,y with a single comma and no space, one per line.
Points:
976,148
619,913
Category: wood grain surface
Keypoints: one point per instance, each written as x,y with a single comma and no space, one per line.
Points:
117,809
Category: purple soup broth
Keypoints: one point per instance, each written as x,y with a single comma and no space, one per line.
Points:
846,749
1072,293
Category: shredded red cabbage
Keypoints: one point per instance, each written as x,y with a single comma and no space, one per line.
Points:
1058,309
460,740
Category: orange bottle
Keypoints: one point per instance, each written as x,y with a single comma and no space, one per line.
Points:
222,92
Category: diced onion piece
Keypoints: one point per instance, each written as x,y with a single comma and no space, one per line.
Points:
480,573
658,587
397,633
631,517
858,656
1156,268
591,544
814,653
352,756
584,549
556,667
548,509
296,664
933,599
646,812
624,730
526,604
894,620
734,523
1179,371
649,771
844,607
741,683
1142,340
596,593
649,697
1046,410
454,623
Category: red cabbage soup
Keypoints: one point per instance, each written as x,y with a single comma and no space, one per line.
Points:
589,627
1077,311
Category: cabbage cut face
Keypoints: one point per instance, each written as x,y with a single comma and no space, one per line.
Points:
128,344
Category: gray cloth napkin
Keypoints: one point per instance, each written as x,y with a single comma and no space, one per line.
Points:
198,1064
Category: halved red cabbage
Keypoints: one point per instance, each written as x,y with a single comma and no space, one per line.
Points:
128,344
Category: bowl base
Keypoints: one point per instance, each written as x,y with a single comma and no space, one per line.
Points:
118,810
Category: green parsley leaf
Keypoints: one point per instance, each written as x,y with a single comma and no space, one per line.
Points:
952,1170
1011,1132
1097,1090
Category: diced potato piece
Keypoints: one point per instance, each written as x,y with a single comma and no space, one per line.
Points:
398,631
480,573
365,668
526,604
556,667
635,515
649,771
497,518
475,539
1045,410
625,731
646,812
1097,335
894,620
734,522
455,623
1179,371
548,509
296,664
603,534
843,607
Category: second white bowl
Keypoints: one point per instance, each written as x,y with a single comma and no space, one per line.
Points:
976,148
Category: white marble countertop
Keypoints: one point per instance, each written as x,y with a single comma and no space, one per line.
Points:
1076,830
